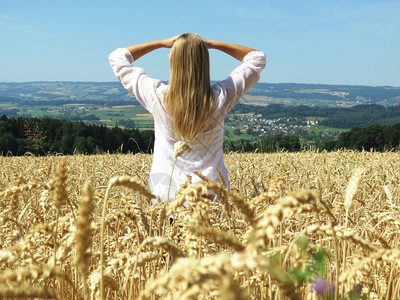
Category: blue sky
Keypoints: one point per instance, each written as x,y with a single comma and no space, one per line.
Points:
310,41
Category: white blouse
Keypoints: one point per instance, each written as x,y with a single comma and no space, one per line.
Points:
206,155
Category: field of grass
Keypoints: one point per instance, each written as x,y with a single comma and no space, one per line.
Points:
107,115
292,226
231,136
317,129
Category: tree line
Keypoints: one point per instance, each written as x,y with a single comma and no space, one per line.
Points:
375,137
52,136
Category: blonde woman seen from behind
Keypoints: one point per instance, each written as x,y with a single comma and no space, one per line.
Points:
189,108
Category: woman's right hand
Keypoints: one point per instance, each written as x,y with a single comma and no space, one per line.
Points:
207,42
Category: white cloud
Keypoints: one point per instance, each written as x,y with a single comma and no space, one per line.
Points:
8,22
28,29
7,17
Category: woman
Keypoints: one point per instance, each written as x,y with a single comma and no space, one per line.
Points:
189,108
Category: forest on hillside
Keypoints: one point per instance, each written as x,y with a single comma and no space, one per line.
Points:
51,136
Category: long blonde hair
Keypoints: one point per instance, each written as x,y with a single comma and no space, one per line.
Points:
189,98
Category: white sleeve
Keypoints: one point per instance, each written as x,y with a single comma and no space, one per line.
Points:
134,79
240,80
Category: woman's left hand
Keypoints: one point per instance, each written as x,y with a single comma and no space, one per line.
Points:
170,42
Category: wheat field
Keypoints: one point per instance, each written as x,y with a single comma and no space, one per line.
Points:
292,226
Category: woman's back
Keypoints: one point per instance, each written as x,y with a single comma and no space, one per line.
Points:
206,143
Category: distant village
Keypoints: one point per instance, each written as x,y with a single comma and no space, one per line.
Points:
258,126
71,109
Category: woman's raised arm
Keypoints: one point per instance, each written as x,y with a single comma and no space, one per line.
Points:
234,50
139,50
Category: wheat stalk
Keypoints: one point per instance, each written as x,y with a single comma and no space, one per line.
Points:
83,234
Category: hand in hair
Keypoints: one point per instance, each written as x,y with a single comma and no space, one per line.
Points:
170,42
139,50
235,50
207,42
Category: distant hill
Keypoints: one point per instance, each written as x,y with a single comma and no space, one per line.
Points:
326,95
63,91
260,94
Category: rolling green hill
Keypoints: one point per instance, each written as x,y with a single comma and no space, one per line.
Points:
261,93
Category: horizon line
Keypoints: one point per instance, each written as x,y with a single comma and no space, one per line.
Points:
299,83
